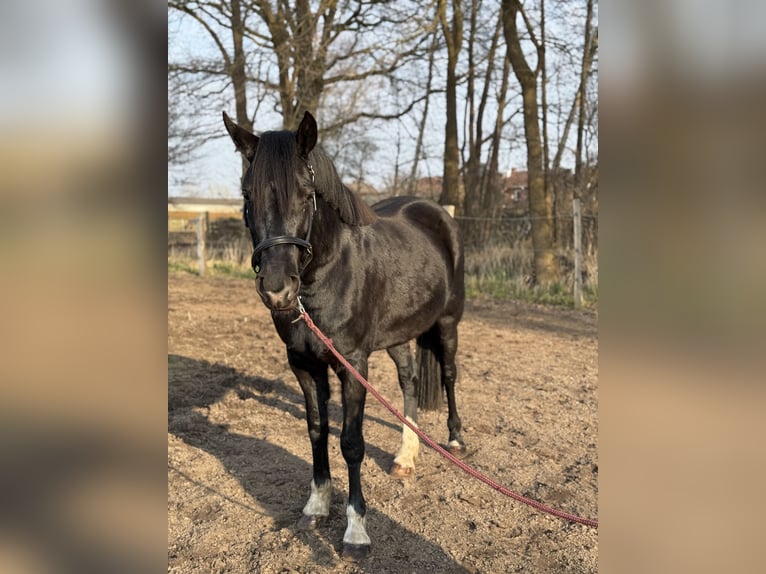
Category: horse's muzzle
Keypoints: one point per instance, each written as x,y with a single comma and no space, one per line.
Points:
279,295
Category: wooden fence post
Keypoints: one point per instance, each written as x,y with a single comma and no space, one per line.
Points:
577,216
201,229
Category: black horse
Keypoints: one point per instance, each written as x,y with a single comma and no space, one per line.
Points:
371,278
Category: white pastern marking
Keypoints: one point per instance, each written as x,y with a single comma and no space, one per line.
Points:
408,452
319,501
455,443
355,531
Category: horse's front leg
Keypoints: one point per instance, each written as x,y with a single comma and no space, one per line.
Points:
312,377
356,542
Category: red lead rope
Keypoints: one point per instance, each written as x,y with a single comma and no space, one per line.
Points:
430,442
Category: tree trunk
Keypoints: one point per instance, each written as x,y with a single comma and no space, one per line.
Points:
587,59
238,75
550,190
472,164
546,272
454,36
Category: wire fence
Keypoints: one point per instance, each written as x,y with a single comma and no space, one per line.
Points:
516,231
500,254
497,249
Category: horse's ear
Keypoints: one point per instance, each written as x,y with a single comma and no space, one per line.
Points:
245,141
306,135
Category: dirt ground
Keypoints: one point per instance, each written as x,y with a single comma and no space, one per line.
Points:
239,457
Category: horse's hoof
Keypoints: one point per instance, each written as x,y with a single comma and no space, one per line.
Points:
355,552
308,522
399,471
457,448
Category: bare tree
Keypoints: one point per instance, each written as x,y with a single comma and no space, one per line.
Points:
322,57
360,63
492,196
561,183
540,203
185,132
412,180
225,25
482,185
182,135
332,48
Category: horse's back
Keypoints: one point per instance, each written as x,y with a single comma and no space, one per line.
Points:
427,215
409,206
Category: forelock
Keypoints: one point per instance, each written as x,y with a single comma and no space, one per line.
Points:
274,167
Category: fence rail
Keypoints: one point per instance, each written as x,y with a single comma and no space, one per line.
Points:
203,236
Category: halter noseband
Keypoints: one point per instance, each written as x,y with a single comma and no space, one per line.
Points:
285,239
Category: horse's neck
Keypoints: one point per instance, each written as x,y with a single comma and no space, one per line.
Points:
328,234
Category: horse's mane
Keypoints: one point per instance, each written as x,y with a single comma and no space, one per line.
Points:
277,150
350,207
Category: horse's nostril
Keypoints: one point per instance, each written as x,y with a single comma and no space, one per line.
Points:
279,293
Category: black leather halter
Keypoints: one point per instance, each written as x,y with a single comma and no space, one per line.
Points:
270,242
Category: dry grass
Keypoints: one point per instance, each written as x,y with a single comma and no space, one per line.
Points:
507,272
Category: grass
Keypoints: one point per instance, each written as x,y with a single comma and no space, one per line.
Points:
503,286
231,269
505,272
214,268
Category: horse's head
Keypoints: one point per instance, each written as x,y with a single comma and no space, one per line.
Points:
280,201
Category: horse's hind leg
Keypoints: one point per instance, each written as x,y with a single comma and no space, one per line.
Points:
405,459
448,334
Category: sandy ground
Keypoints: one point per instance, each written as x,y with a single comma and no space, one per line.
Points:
239,458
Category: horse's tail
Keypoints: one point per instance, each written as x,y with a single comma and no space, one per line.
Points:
429,379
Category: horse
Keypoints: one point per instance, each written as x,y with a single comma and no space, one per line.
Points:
371,278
